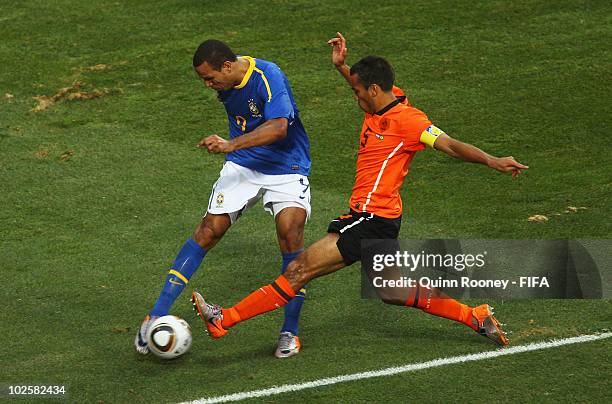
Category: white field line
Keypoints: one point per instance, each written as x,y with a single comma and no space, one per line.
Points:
401,369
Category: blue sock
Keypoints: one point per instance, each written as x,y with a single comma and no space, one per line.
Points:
186,263
293,308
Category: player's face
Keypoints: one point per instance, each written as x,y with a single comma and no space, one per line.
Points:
218,80
363,96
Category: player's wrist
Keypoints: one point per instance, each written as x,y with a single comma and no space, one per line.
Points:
492,162
232,146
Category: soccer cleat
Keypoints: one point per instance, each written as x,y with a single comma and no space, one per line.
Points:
288,345
140,342
210,314
487,325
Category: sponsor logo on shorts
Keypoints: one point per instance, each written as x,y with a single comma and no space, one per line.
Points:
380,137
220,199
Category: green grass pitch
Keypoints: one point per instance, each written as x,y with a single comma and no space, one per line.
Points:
101,185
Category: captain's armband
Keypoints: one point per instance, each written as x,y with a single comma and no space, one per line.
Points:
430,135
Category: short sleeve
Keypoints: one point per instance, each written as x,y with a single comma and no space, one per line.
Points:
273,90
414,122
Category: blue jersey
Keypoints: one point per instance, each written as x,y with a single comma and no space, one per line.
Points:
265,94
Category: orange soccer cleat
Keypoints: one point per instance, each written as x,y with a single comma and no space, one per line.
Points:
210,314
485,324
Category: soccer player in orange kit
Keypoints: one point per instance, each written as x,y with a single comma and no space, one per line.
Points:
392,132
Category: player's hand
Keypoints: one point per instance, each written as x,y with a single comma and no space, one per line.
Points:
339,50
216,144
507,164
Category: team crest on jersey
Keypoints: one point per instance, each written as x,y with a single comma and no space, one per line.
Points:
253,108
384,124
220,199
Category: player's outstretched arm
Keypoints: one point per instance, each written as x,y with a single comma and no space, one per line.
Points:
269,132
473,154
339,52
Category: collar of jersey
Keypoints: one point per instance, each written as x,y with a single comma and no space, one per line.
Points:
248,73
388,107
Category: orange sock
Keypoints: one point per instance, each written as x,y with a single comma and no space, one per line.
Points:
264,299
435,302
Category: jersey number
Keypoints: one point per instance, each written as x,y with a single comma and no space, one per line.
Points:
365,137
240,121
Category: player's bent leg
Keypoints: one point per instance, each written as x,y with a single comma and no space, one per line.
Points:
290,221
319,259
206,235
434,301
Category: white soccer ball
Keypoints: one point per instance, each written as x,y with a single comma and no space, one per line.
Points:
169,337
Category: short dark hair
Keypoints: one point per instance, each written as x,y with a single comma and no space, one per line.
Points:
374,70
214,52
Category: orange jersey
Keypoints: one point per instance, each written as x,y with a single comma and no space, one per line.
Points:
388,142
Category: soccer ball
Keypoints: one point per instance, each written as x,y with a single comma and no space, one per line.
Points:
169,337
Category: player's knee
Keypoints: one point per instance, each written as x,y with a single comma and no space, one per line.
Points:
393,296
393,300
292,239
202,236
206,235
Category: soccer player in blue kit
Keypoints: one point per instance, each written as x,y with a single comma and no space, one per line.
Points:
267,158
